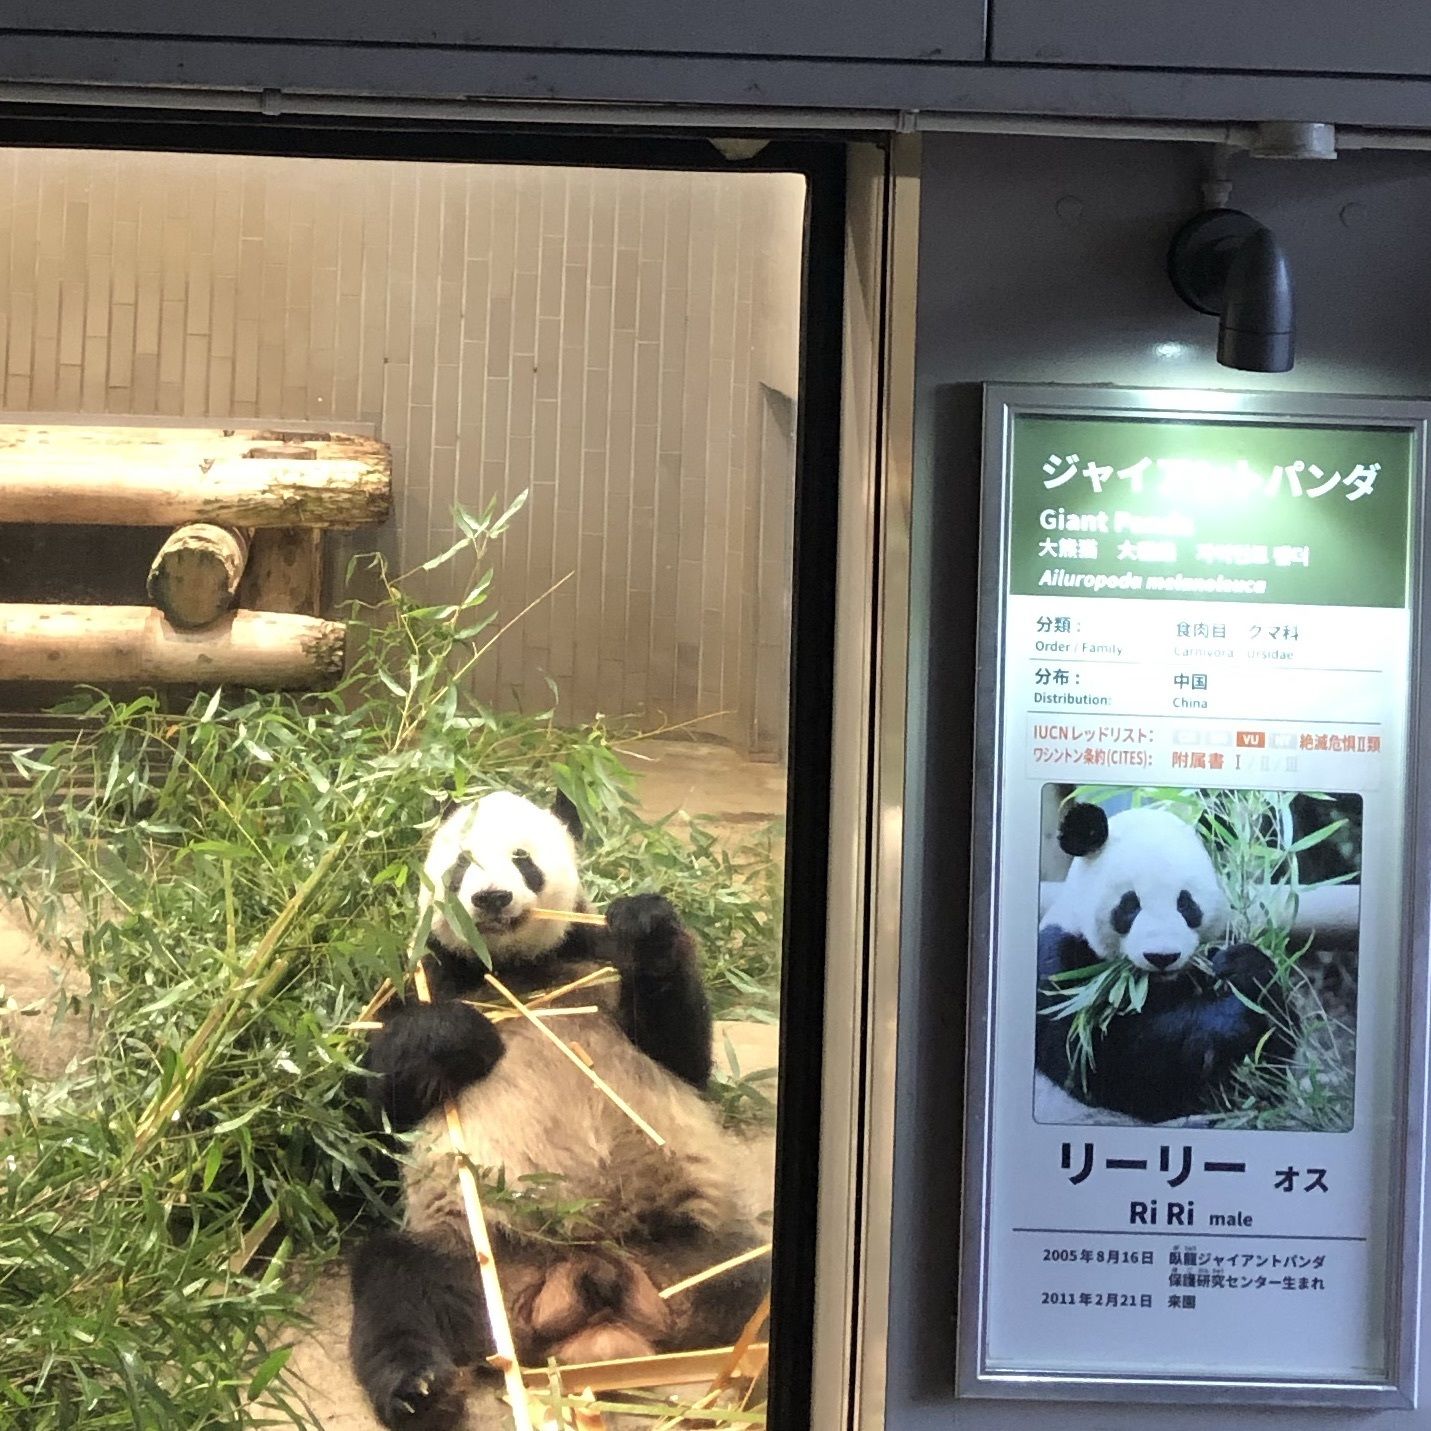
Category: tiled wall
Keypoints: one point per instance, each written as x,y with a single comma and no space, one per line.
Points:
603,338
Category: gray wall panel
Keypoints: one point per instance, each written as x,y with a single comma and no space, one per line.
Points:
1390,37
924,29
871,92
1012,291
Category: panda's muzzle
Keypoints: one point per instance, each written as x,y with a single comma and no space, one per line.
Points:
1161,961
495,915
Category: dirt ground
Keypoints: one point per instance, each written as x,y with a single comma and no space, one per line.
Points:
706,780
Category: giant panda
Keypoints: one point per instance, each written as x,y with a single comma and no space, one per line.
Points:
650,1215
1142,888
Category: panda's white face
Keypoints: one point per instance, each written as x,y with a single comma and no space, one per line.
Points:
501,858
1149,895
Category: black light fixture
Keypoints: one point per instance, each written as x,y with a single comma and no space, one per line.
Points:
1225,263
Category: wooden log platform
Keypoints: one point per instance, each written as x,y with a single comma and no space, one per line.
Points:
195,577
105,645
136,476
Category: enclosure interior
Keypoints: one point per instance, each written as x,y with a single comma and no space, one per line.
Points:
619,349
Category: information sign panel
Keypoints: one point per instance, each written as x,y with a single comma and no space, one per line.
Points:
1199,997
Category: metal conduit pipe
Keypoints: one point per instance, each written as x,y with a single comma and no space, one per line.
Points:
1238,136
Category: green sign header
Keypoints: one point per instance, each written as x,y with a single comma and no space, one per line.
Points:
1159,507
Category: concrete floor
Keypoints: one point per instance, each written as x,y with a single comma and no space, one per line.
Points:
706,779
688,778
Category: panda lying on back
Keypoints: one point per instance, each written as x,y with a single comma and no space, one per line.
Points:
1142,887
653,1215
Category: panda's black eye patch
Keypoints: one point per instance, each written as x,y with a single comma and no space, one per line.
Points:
1190,909
1125,912
529,870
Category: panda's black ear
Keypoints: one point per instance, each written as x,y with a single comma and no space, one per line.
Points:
452,803
567,813
1084,829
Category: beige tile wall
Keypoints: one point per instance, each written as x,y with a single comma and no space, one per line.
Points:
608,340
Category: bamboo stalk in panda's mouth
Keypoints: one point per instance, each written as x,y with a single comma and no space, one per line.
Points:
568,916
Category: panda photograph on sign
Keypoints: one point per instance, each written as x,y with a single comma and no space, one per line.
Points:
1197,958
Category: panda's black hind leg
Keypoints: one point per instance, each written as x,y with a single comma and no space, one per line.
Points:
713,1313
418,1320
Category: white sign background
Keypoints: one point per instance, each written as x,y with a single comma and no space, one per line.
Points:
1035,1210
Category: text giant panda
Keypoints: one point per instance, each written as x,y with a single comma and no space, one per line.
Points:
650,1215
1142,888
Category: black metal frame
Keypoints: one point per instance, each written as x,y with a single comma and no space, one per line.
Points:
822,161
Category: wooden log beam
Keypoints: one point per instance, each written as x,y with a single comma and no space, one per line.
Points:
117,439
195,577
233,491
105,645
285,571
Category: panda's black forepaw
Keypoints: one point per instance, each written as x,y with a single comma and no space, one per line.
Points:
425,1054
424,1398
1245,967
643,920
650,932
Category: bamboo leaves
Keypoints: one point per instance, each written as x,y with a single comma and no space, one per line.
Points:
234,878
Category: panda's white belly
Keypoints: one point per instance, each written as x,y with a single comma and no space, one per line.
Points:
536,1113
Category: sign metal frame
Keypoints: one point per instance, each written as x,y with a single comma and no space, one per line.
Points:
1004,404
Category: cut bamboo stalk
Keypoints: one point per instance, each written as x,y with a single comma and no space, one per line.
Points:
576,1062
195,577
505,1358
743,1345
233,491
679,1419
671,1412
501,1016
569,916
664,1369
606,974
252,1240
379,1000
585,1416
711,1272
116,644
753,1369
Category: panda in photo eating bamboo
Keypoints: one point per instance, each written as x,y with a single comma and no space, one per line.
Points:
1142,888
650,1214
